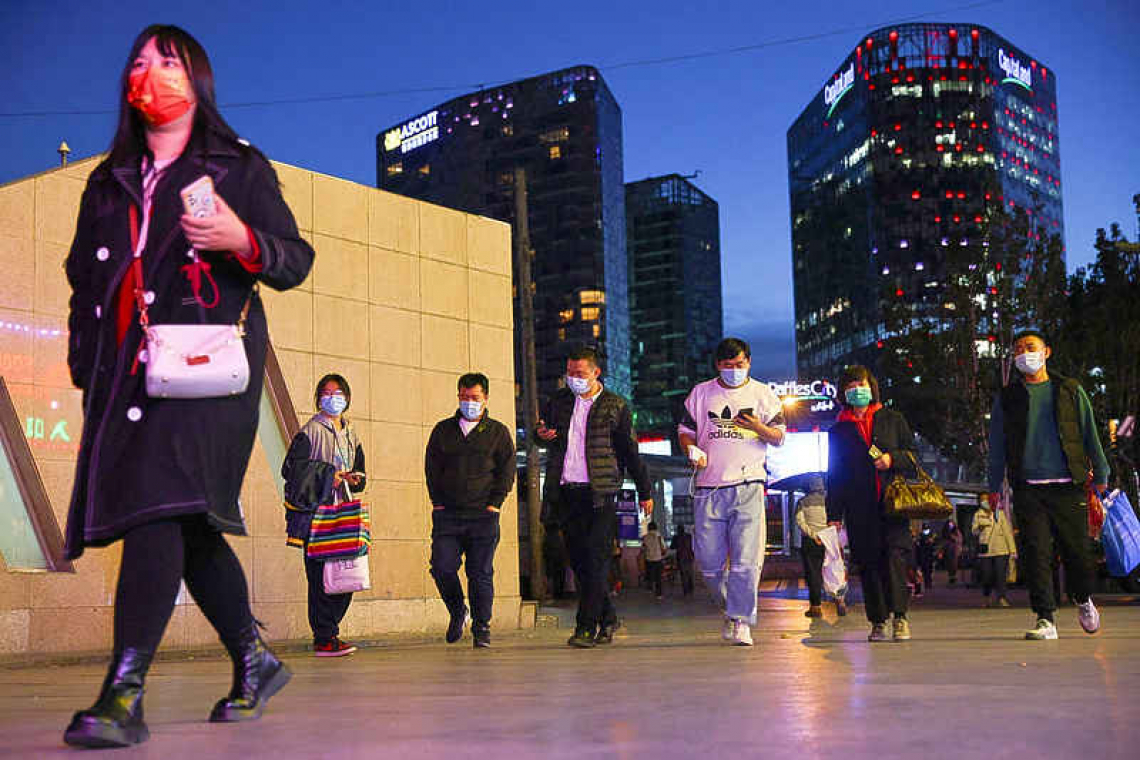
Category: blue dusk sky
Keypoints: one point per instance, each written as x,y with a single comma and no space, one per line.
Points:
725,116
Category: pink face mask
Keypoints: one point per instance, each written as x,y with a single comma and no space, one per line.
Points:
160,95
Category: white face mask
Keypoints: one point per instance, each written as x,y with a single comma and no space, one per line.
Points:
471,410
579,385
1030,363
734,376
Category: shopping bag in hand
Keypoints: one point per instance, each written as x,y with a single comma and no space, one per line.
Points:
834,571
1121,535
344,576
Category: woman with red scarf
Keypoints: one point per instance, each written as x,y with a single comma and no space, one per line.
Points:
866,447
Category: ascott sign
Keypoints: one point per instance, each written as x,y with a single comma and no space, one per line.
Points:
414,134
1016,72
833,92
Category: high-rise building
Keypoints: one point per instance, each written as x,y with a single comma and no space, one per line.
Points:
920,135
673,234
564,128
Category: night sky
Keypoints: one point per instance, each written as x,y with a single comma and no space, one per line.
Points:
725,116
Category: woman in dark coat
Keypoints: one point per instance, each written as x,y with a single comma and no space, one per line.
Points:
164,475
866,447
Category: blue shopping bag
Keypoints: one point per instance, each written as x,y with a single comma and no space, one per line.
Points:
1121,536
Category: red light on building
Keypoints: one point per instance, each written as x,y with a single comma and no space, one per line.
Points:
898,127
958,147
874,132
938,219
957,219
899,292
878,344
974,33
953,34
951,125
997,266
981,149
973,125
871,87
961,196
893,36
938,124
898,150
910,77
978,219
949,194
985,125
987,196
916,195
939,148
869,43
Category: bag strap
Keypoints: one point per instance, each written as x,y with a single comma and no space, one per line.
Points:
920,473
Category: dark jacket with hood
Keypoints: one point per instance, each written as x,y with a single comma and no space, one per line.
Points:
309,471
142,459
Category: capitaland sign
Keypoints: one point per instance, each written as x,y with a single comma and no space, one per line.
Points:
838,87
1016,72
414,134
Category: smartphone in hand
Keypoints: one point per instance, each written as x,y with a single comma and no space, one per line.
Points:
198,198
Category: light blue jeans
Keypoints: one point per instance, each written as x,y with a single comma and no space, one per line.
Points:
731,530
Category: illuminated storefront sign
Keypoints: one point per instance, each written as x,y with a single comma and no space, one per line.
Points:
414,134
1016,72
834,92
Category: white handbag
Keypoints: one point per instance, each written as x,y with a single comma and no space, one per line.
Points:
196,361
344,576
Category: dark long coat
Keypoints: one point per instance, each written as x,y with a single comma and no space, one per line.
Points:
181,456
851,492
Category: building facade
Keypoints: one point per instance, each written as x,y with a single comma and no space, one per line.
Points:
676,314
914,144
564,128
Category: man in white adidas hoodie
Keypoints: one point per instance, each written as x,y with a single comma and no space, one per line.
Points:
728,424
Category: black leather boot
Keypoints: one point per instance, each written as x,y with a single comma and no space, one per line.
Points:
258,675
116,718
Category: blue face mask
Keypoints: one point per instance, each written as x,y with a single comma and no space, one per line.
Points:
471,410
734,376
579,385
859,396
333,404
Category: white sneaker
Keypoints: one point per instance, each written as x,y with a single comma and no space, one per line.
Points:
1088,616
728,630
1044,630
742,634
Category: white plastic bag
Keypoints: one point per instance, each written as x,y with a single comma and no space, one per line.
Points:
834,571
344,576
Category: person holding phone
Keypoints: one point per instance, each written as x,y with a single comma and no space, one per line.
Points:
164,475
866,447
728,424
324,465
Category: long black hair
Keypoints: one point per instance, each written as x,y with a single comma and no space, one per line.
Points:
130,134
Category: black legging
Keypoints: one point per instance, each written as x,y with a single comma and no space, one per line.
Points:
156,557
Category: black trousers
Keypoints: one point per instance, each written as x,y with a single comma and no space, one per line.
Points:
477,537
325,610
653,575
994,571
156,558
812,554
589,533
883,576
685,568
1041,512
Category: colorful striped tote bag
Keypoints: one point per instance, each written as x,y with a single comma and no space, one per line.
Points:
340,531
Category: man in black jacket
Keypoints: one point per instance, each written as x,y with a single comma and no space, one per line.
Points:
470,468
588,432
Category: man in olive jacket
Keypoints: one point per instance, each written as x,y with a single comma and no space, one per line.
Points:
1043,434
470,468
588,432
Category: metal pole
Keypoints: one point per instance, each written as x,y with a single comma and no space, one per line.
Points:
524,282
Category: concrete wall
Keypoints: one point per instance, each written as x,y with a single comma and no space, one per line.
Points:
403,297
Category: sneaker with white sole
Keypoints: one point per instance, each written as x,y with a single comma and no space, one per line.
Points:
742,634
728,630
878,633
1088,616
901,629
1043,631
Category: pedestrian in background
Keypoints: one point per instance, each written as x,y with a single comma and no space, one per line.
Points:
324,465
866,447
682,546
951,550
811,517
1043,434
995,545
165,474
653,547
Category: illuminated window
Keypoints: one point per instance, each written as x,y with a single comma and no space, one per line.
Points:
590,313
425,170
555,151
566,315
597,330
591,297
394,169
555,135
561,333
